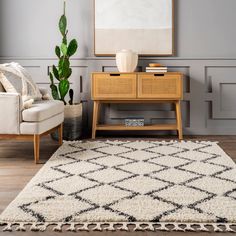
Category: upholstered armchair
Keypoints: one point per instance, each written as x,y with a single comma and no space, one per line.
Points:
42,118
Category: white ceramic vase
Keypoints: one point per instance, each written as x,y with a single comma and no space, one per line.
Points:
126,60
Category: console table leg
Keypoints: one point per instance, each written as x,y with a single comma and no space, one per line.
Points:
95,118
179,119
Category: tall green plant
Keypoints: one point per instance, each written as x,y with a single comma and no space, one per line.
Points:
63,70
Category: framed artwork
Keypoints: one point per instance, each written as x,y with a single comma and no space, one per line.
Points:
144,26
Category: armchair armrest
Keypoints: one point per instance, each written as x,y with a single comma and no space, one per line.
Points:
10,113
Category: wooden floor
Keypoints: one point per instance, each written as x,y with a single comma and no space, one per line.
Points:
17,168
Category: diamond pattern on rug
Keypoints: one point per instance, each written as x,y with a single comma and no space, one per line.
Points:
105,161
191,146
177,194
217,204
72,206
141,145
229,175
162,149
80,167
168,161
213,185
231,194
100,214
174,176
85,154
143,155
203,168
113,150
129,181
144,181
112,194
144,206
220,160
186,214
89,145
195,155
74,184
140,168
108,175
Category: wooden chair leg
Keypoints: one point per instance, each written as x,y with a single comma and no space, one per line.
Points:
95,118
36,148
60,134
179,119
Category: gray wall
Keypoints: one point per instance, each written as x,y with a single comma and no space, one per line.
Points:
205,52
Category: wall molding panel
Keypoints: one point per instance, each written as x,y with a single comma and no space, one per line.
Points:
209,91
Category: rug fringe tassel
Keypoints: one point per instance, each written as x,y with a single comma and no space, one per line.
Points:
112,226
161,142
58,228
97,227
138,227
124,227
8,228
71,228
34,227
84,227
228,229
178,228
163,227
203,228
217,228
150,227
21,227
189,227
43,227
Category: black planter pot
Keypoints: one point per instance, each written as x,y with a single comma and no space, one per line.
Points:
72,126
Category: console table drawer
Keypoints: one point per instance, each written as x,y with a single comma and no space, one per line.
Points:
114,86
161,86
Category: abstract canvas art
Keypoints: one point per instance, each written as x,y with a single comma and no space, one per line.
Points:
144,26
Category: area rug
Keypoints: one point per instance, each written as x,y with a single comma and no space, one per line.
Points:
124,185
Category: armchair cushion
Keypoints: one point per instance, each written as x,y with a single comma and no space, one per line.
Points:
42,126
10,113
42,110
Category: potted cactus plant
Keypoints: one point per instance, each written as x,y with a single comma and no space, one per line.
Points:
60,85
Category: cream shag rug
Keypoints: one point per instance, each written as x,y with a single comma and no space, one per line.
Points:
143,185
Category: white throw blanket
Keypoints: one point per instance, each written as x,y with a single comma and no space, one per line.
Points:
28,89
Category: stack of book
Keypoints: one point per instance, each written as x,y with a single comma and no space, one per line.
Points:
153,67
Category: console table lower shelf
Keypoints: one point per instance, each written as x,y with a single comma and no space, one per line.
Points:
109,127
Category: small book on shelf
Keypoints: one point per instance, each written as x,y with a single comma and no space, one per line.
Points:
156,67
156,71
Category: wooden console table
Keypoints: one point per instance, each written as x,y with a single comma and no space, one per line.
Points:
137,87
